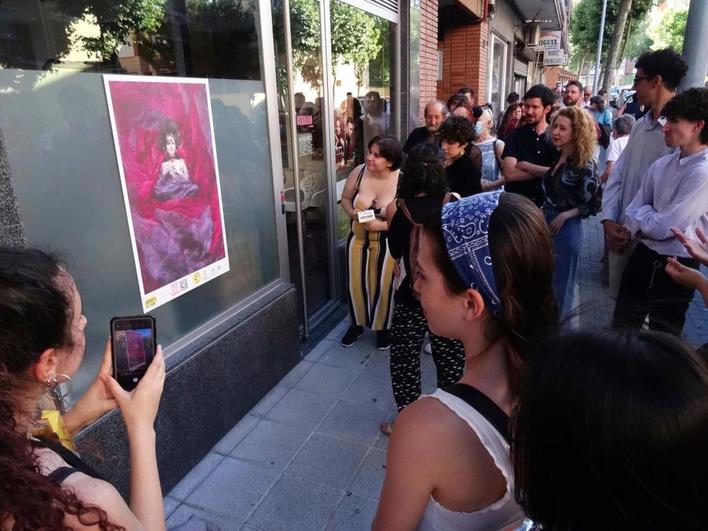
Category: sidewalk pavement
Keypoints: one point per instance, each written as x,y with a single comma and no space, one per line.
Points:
309,455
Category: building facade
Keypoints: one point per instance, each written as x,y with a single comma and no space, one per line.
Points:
238,255
493,45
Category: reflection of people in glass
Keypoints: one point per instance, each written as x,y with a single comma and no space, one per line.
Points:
339,142
349,141
375,119
173,181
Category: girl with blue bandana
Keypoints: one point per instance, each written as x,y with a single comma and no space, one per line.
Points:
484,278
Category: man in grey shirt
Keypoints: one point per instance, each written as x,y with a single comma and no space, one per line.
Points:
658,75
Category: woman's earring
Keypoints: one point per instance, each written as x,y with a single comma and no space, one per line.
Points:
55,392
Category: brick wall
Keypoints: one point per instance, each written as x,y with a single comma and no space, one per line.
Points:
428,52
464,51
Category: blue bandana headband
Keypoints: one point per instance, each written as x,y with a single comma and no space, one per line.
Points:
465,225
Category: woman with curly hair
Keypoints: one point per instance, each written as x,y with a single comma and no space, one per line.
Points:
571,187
462,160
42,484
510,121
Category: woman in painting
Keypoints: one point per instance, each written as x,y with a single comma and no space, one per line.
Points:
173,181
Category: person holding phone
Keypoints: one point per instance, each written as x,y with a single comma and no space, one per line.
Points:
42,484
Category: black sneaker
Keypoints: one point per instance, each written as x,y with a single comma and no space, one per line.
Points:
382,340
352,335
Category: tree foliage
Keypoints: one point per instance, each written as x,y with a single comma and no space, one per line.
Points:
116,21
671,29
585,27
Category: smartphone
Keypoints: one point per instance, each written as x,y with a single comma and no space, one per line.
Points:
133,344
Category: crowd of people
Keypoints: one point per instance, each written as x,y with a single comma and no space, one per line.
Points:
470,233
484,239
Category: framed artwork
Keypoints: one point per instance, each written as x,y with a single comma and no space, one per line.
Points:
164,141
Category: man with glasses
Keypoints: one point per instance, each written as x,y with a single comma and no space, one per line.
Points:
658,75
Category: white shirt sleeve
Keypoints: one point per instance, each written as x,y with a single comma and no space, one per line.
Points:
614,151
612,193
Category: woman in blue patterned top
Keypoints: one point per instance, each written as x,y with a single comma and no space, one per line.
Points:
571,188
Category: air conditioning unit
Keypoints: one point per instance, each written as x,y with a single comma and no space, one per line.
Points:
533,33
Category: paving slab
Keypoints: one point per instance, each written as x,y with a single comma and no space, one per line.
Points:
271,444
302,409
329,461
355,513
295,504
233,488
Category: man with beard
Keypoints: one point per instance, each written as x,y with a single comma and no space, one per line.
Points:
529,152
573,94
435,113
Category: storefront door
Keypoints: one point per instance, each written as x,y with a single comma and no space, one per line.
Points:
336,90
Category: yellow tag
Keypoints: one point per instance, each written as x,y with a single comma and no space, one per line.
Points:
56,423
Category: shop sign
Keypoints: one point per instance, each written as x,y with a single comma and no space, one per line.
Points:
163,134
549,40
555,58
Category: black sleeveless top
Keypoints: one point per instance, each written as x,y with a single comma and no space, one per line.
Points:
76,464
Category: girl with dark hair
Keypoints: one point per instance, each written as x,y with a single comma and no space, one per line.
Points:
462,160
510,121
484,277
611,432
422,192
42,484
371,186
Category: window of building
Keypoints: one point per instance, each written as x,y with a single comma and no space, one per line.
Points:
61,155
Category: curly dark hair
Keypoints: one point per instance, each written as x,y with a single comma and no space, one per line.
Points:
422,173
34,316
692,106
665,63
456,129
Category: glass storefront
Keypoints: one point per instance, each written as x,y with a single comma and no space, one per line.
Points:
61,154
60,133
356,92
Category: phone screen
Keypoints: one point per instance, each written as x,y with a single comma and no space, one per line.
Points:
133,343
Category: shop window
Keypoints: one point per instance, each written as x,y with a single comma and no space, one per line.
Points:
61,153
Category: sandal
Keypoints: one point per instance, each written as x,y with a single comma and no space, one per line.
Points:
386,428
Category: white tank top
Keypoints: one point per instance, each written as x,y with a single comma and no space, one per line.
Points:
503,514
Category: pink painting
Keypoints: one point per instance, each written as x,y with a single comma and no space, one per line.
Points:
164,141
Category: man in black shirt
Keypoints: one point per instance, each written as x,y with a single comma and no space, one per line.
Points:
529,152
435,113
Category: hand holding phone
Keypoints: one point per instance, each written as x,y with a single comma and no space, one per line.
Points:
133,343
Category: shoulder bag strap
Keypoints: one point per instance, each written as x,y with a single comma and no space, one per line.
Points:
358,179
402,205
484,406
58,475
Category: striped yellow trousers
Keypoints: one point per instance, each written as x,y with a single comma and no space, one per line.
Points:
370,271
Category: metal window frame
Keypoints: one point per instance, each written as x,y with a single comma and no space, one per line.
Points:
271,90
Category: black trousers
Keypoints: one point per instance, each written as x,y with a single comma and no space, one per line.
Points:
646,289
407,334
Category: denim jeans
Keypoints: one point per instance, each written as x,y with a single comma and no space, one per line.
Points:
566,248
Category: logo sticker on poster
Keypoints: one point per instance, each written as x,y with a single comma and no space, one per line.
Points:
164,140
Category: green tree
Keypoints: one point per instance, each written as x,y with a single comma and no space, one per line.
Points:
117,22
671,29
356,38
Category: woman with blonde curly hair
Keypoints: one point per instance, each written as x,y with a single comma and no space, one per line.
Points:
572,193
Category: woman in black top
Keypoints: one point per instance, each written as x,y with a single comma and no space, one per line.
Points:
422,192
462,160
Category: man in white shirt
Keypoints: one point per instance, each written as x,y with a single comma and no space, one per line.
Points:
673,194
658,75
621,127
